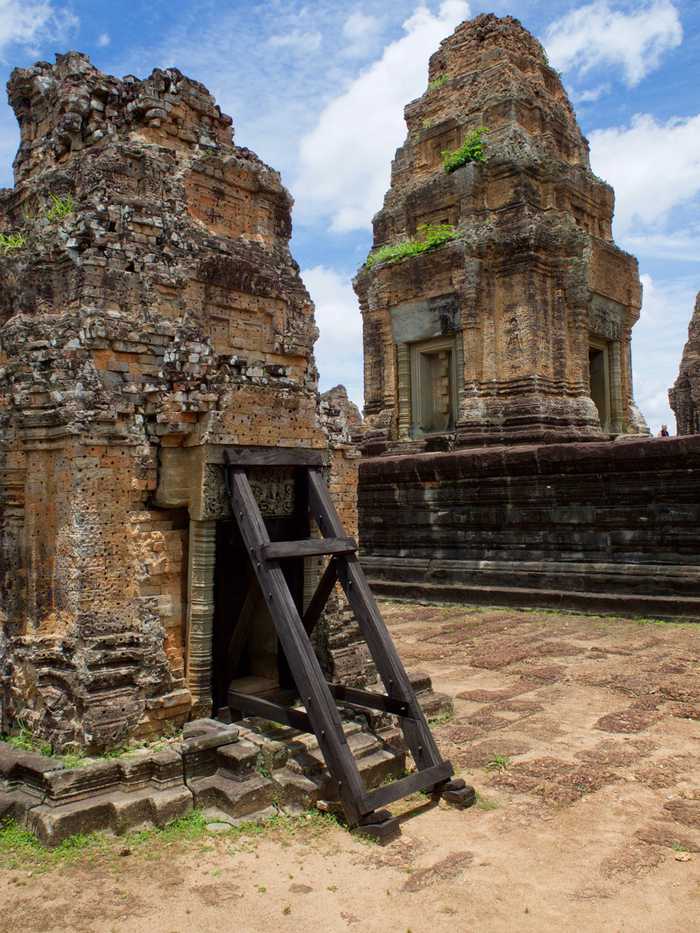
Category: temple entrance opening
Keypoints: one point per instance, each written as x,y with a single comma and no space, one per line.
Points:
599,375
246,653
433,382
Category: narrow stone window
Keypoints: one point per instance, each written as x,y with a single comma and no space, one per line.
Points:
433,386
599,377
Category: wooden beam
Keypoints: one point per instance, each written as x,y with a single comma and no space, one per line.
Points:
320,597
268,456
306,670
418,736
419,780
309,547
379,701
256,706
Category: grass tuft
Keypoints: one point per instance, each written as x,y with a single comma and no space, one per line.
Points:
60,207
437,82
20,848
25,741
440,720
498,763
9,242
429,236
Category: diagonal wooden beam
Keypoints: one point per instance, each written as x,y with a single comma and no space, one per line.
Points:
384,654
318,601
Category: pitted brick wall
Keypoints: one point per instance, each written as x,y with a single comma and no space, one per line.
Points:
160,309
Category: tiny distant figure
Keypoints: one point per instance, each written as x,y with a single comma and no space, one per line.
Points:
664,431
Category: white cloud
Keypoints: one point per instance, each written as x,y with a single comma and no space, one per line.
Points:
361,32
652,166
345,159
297,40
598,36
339,347
592,94
657,344
673,246
33,22
104,39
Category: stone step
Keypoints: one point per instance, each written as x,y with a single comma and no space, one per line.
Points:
311,761
679,608
237,798
116,810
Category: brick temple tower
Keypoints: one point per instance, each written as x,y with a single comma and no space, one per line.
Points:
151,315
517,327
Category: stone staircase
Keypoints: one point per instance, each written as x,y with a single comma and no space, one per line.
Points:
239,771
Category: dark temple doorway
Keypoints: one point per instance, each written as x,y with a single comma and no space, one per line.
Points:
600,383
246,652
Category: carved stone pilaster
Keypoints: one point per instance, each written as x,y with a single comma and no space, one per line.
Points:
617,402
200,614
403,365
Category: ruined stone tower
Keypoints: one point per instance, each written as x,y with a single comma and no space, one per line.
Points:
518,326
150,314
685,394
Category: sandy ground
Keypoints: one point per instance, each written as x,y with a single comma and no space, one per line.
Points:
592,822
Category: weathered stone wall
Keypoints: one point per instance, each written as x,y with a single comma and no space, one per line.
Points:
613,526
685,394
531,279
150,314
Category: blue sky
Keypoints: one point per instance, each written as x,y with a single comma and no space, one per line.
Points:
317,90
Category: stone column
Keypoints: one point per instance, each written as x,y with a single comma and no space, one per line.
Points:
200,614
403,364
617,407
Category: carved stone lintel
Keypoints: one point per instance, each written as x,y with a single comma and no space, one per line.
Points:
273,488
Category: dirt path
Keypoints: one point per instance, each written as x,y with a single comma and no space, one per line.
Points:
589,818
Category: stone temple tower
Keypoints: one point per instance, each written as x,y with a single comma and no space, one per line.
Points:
517,328
685,394
151,316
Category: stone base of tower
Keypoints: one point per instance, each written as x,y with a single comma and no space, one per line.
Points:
602,527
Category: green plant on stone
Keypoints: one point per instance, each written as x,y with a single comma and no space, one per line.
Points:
261,766
473,149
437,82
441,719
498,763
24,740
73,759
60,207
9,242
429,236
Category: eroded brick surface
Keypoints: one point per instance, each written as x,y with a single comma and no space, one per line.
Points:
151,314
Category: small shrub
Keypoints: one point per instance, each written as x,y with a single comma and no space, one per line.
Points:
473,149
11,241
60,207
437,82
498,763
429,236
